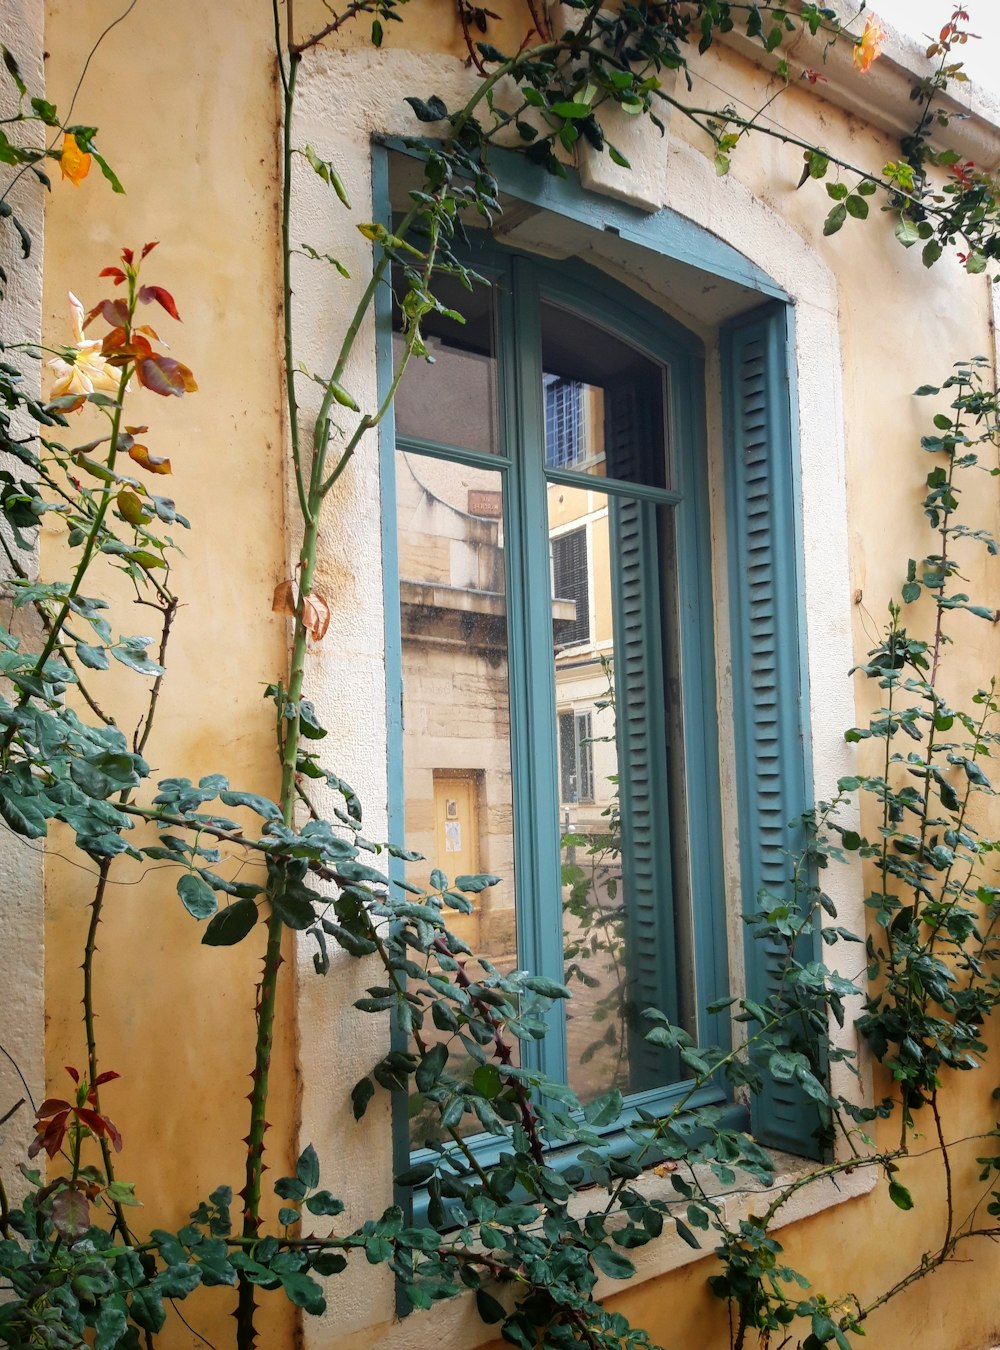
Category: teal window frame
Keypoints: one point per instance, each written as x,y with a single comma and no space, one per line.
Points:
592,294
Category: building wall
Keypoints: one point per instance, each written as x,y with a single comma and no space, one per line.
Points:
22,946
187,110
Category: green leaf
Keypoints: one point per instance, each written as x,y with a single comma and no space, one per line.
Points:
931,252
289,1188
417,1175
178,1281
147,1308
361,1094
136,659
489,1309
110,1325
684,1232
434,110
324,1203
262,805
612,1263
307,1168
571,110
603,1110
197,896
900,1196
431,1067
857,207
13,70
95,658
304,1292
835,219
45,111
294,911
475,884
541,984
487,1081
231,925
22,814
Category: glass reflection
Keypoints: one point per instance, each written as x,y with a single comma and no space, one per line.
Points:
456,706
452,398
603,403
626,927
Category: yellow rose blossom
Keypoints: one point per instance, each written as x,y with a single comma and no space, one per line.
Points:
73,162
82,370
869,45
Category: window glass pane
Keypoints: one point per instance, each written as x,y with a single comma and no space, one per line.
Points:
451,399
626,929
604,402
456,705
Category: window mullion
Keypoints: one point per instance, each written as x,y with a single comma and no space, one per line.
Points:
533,698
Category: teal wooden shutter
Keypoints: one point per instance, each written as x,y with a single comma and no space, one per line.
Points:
768,678
631,437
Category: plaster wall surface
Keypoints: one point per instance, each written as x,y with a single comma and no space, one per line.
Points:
21,909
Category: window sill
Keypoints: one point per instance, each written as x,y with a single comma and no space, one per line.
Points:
457,1323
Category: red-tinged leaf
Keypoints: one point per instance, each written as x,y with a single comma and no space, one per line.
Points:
50,1107
92,1119
109,1075
114,1134
71,1213
147,294
137,431
148,248
114,312
163,375
127,257
118,337
151,463
123,352
73,1073
115,272
150,332
50,1139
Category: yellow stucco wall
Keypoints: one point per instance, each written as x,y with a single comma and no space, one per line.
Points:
185,99
186,107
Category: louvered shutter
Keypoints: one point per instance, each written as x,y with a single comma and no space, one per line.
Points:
632,435
768,680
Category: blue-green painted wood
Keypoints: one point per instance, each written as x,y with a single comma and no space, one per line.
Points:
536,788
665,232
769,690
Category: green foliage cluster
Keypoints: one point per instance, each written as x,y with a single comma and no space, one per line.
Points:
569,1190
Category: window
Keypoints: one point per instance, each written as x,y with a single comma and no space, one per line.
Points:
569,586
555,643
563,439
576,758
